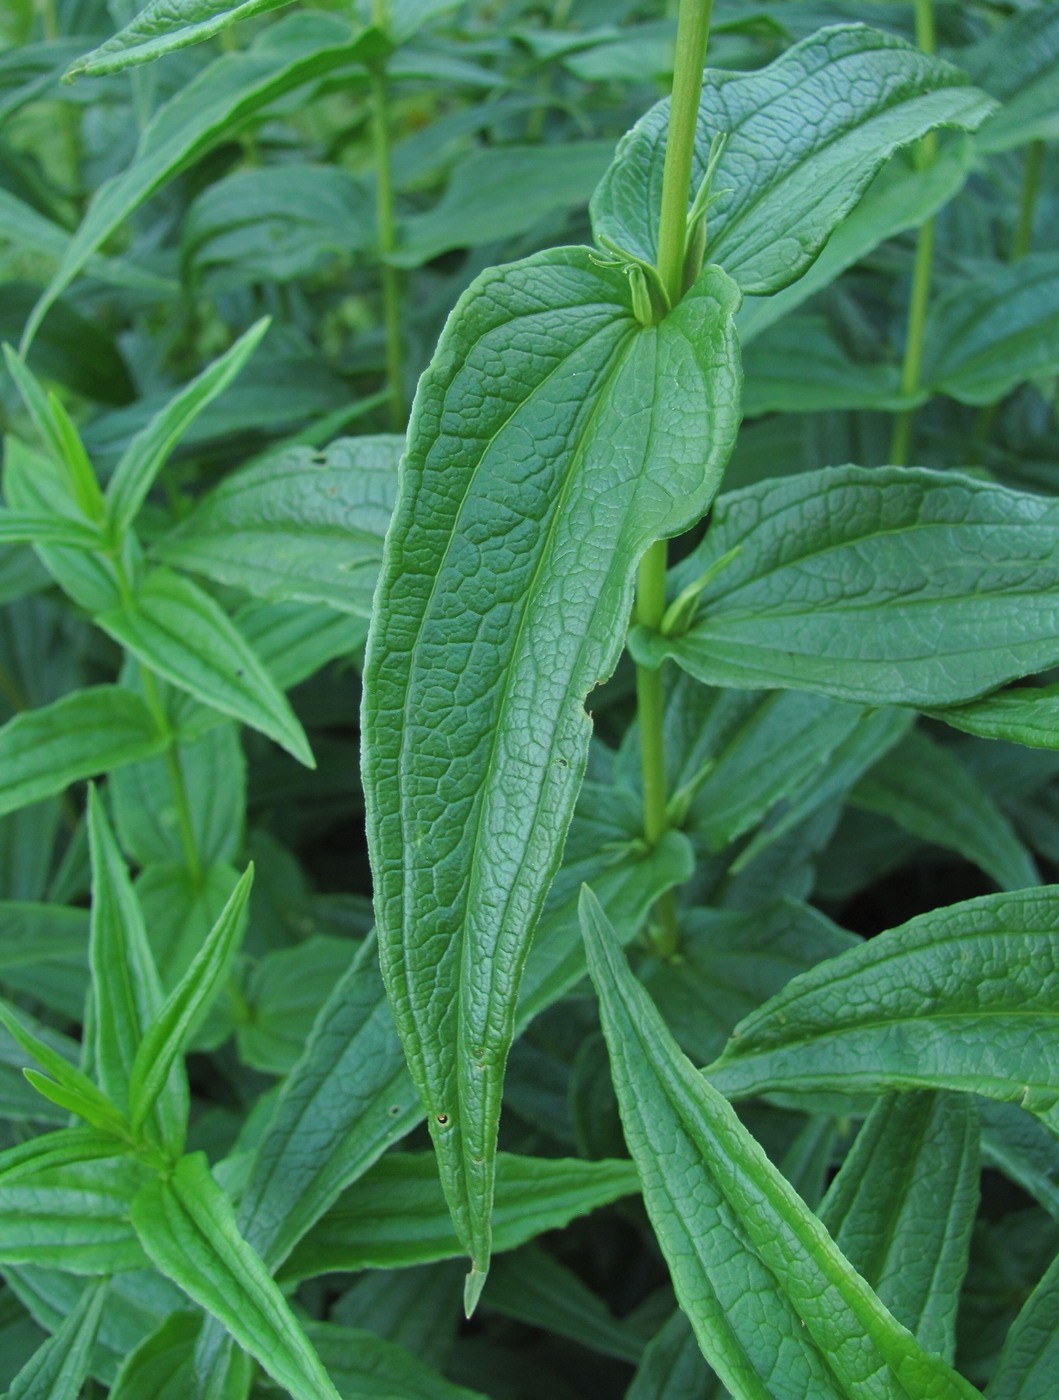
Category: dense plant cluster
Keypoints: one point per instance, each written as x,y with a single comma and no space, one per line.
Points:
393,824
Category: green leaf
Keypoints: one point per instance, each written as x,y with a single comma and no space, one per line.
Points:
1018,64
176,629
673,1368
149,450
277,223
43,751
125,987
491,625
37,483
79,1093
74,1217
994,330
801,366
890,586
534,1288
58,1370
59,437
733,960
165,25
146,813
902,196
1024,1150
1023,714
805,136
1028,1362
365,1366
395,1215
167,1037
778,1311
902,1207
214,106
304,526
343,1104
56,1149
960,998
19,527
283,992
499,192
927,791
188,1229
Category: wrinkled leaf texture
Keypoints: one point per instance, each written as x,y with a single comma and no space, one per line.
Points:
541,464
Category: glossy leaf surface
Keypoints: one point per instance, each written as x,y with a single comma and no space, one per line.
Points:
961,998
526,501
778,1311
889,586
804,138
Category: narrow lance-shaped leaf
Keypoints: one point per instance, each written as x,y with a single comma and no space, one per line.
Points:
889,586
165,25
961,998
146,454
805,136
177,630
90,731
188,1229
66,1085
902,1207
125,985
60,1367
166,1038
1030,1359
779,1312
541,464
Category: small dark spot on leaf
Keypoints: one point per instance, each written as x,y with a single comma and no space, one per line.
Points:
442,1119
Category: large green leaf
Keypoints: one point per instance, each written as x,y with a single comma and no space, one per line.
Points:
303,526
90,731
59,1369
173,627
396,1214
889,586
779,1312
992,331
960,998
165,25
925,789
212,107
805,136
161,1367
526,501
187,1226
902,1207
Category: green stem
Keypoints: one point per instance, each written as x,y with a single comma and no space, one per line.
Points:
1030,185
917,309
387,239
693,29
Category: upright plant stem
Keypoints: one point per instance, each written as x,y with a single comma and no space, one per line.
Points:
391,289
917,308
1031,181
693,28
176,782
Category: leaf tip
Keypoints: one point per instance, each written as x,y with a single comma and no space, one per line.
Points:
472,1289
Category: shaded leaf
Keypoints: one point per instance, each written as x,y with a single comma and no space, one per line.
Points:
58,1370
